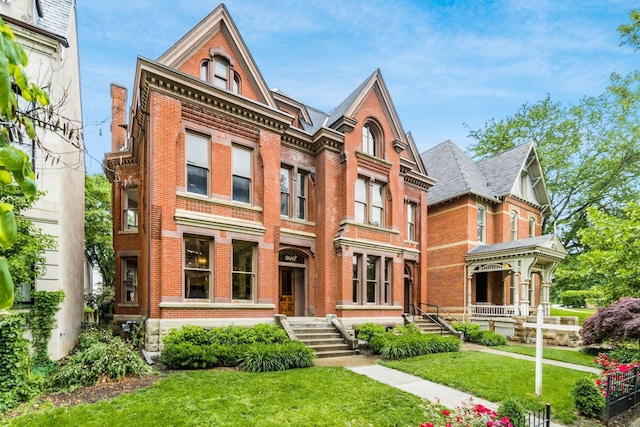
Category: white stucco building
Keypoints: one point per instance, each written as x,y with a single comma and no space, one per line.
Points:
47,29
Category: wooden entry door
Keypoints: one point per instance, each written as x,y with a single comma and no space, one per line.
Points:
286,291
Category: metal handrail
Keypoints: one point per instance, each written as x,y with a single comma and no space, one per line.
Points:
443,325
438,309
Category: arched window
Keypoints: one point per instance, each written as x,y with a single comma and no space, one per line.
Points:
532,227
371,140
514,225
220,72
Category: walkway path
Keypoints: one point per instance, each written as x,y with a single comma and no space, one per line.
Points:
434,392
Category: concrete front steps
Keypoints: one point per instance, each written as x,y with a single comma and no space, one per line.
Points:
429,326
323,338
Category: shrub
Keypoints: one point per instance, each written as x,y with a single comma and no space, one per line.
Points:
112,360
407,343
378,342
467,328
588,400
196,335
368,330
619,322
625,355
276,357
512,409
185,355
13,360
94,335
575,298
269,333
490,339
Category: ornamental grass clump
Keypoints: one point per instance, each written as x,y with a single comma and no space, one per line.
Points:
409,341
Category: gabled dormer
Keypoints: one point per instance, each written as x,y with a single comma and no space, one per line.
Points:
289,105
215,52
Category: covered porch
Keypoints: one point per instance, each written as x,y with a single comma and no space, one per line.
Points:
512,278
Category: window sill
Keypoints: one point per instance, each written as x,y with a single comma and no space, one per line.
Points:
127,304
368,307
128,232
216,201
217,305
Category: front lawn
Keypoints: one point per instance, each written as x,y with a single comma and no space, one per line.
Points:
311,396
496,378
582,313
569,356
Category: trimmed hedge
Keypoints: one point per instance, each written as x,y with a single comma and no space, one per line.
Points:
264,347
473,334
589,402
578,299
368,330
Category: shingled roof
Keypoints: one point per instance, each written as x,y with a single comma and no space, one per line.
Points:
55,18
492,179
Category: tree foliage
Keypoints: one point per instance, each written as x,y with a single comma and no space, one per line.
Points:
630,33
590,151
98,226
15,124
617,323
611,260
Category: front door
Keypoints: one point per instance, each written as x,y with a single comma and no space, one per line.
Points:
286,292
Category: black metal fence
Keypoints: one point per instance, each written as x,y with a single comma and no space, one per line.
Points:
623,391
541,418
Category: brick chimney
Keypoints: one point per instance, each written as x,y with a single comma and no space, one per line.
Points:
118,117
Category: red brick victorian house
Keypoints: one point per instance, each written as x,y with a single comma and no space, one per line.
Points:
233,203
486,257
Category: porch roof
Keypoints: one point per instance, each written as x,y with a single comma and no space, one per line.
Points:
546,247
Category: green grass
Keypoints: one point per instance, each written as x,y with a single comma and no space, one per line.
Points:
316,396
495,378
582,313
568,356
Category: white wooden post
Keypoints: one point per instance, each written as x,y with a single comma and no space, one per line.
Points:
540,325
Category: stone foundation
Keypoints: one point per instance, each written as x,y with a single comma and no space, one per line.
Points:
519,333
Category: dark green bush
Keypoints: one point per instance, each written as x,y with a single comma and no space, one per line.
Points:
113,360
276,357
512,409
588,400
624,355
490,339
368,330
196,335
94,335
576,298
270,333
410,345
185,355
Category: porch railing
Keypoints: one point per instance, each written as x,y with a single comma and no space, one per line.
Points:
493,310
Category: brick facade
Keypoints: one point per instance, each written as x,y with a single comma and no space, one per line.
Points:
212,243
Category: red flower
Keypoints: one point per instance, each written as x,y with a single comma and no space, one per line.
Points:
426,425
446,413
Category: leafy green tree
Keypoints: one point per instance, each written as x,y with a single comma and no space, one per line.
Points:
611,261
98,239
590,151
630,33
26,258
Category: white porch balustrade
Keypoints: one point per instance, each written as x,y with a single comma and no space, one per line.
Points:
493,310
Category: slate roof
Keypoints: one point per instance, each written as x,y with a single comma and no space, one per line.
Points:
512,245
55,19
457,174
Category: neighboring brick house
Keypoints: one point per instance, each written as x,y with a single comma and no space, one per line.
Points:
486,254
232,202
48,31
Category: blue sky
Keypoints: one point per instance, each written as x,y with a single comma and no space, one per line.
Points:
446,63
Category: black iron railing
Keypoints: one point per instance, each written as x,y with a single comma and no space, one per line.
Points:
541,418
623,391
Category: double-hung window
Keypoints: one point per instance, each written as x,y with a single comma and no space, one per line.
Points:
411,221
532,227
357,261
130,209
197,267
376,287
241,166
129,281
373,267
369,140
243,277
293,195
513,228
369,201
220,72
198,149
482,223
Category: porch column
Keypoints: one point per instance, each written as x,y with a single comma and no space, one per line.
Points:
516,291
469,298
544,298
524,306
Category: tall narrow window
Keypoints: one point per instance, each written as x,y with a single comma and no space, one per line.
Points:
411,221
285,191
524,185
361,201
243,275
356,278
302,195
242,166
204,70
377,204
388,268
23,292
235,83
532,227
482,223
130,209
514,225
197,267
221,74
372,278
130,280
197,164
369,140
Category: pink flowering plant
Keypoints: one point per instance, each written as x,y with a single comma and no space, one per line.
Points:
468,414
620,375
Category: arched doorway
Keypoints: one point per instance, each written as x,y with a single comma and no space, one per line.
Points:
292,277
